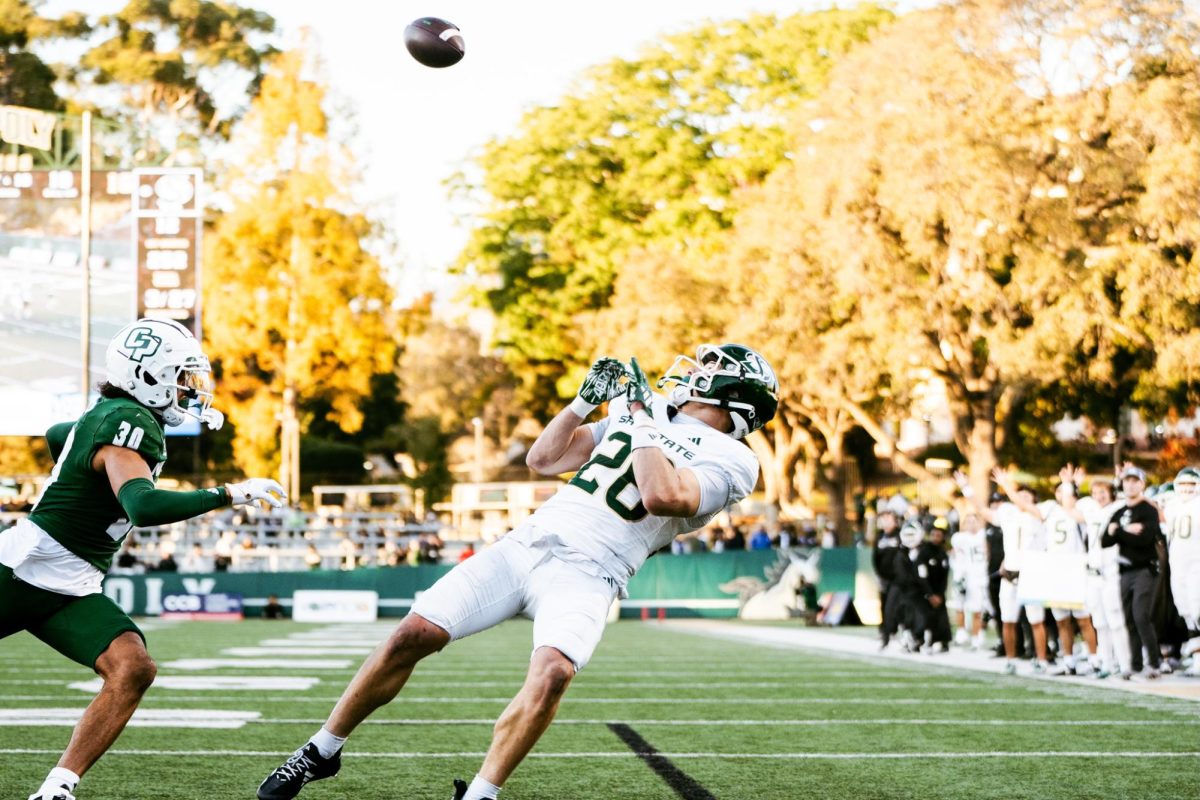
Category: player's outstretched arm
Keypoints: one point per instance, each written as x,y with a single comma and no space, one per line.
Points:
665,490
564,446
980,503
1008,484
130,479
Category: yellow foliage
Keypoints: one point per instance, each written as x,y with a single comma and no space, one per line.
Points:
293,296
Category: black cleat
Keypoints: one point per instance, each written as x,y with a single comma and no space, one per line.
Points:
304,765
460,789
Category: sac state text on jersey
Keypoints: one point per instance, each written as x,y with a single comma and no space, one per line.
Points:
600,514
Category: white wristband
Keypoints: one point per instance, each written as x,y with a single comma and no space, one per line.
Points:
581,408
645,434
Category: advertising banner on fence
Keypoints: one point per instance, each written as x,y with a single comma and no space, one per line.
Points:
202,606
334,606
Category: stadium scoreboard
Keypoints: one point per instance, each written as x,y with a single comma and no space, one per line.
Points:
166,231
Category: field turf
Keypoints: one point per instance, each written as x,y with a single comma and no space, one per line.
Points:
708,719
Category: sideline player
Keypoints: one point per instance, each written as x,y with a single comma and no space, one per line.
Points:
1023,531
52,563
1104,580
1182,515
969,565
655,467
1066,533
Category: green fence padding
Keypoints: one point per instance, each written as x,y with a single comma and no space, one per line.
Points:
681,585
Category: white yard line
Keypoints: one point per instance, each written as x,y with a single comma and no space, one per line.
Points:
223,683
790,701
257,663
869,756
717,723
866,649
252,652
142,718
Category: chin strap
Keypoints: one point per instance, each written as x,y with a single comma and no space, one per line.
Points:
682,394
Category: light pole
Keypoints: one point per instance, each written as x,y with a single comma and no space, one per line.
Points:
289,434
85,254
477,466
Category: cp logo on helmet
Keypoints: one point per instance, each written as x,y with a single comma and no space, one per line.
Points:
142,344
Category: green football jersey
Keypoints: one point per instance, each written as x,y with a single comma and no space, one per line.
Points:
77,507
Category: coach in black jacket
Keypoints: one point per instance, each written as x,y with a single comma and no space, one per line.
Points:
1135,531
883,558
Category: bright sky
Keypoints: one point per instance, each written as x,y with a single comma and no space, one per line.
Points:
418,125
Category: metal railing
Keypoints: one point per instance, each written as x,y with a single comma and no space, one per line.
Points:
280,543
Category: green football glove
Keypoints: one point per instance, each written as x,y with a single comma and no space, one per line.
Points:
602,383
637,390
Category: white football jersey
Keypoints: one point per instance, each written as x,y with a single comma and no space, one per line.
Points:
598,517
1097,516
968,553
1063,531
1022,532
1183,525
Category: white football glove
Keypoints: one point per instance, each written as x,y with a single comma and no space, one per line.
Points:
213,419
252,490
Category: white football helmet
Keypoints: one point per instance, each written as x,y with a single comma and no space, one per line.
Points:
912,534
160,364
1187,483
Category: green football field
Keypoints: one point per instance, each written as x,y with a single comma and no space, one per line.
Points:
658,714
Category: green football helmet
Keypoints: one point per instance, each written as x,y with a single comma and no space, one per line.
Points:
731,376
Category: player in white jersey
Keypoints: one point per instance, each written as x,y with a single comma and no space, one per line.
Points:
655,467
1065,533
968,564
1182,517
1104,580
1020,521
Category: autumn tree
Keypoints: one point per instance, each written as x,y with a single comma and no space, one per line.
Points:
159,63
641,153
987,227
296,302
25,79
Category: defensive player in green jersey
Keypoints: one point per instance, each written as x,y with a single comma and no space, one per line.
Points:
106,462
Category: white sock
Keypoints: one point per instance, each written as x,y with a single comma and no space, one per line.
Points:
58,778
327,744
481,790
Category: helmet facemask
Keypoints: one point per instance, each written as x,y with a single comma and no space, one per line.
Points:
912,534
160,364
1187,483
729,376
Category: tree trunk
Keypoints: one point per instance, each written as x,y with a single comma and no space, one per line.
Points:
777,456
804,479
981,456
796,502
887,444
835,479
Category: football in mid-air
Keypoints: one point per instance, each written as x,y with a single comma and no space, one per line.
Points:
434,42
